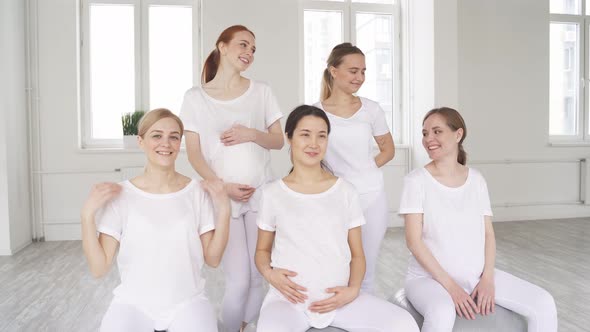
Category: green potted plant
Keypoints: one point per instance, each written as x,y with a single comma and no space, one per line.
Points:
130,121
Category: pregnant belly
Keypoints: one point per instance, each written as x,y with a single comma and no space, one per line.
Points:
243,163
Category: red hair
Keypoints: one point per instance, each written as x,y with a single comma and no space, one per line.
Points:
212,63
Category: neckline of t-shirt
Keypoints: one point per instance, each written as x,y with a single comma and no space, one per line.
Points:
323,193
229,101
431,177
153,195
343,118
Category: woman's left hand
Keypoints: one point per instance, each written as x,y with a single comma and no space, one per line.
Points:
237,134
342,295
485,292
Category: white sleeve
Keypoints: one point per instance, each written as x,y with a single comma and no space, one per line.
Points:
485,198
189,112
357,218
204,214
109,219
266,219
379,124
412,200
272,111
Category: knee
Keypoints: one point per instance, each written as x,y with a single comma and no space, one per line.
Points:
402,321
440,313
544,303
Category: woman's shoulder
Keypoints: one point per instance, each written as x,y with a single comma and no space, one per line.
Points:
370,104
270,188
476,175
416,175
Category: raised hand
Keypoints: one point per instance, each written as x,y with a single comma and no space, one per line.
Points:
100,194
485,295
217,192
342,296
239,192
279,279
237,134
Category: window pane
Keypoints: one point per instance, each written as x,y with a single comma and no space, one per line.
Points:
322,31
564,7
171,55
564,79
112,63
388,2
374,35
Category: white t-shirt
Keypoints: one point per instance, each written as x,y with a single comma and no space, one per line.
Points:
312,237
160,254
453,223
351,146
246,163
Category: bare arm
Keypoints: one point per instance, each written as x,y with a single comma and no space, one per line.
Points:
237,134
195,156
490,249
99,251
485,291
464,304
214,242
278,278
386,149
273,139
357,262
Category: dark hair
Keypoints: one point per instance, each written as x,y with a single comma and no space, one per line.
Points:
212,62
334,60
455,121
299,113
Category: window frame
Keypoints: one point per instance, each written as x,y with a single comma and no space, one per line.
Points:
582,20
141,46
349,9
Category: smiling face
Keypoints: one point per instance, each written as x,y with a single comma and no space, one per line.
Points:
239,51
349,76
161,142
439,140
309,141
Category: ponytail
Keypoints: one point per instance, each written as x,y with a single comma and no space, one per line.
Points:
210,67
327,82
462,156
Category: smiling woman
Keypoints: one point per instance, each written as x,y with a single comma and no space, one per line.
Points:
166,226
232,123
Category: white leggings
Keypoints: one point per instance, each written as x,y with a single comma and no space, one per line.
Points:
366,313
243,283
376,214
197,315
433,301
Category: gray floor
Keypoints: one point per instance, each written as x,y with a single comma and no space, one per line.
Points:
47,286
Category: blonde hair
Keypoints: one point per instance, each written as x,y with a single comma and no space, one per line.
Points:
334,60
155,115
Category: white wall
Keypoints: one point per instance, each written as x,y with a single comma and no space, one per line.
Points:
503,80
488,58
15,222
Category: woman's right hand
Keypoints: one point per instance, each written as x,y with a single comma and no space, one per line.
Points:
217,192
464,304
239,192
279,279
100,194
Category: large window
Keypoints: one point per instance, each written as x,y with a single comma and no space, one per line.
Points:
569,34
373,26
136,55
